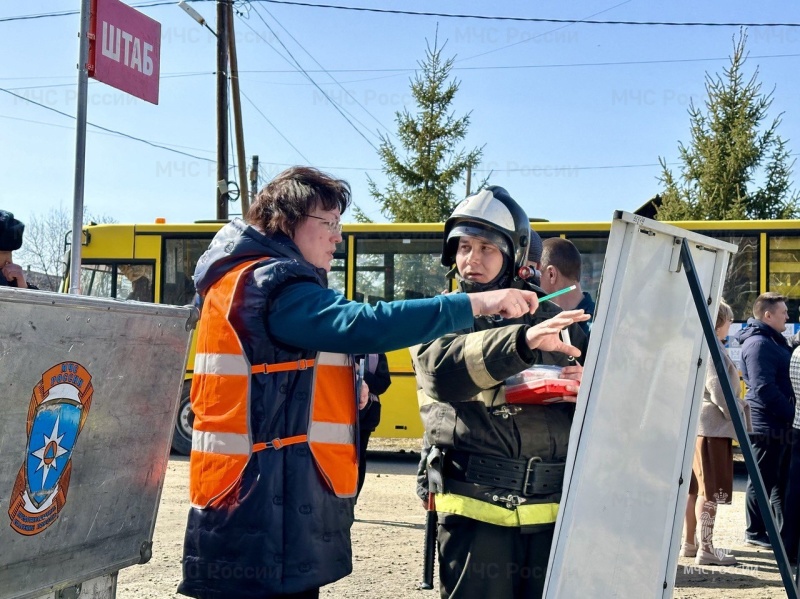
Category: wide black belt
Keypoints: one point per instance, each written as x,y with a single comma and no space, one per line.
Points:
524,476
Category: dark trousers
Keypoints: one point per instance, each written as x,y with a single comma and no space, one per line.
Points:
770,452
362,459
790,532
479,560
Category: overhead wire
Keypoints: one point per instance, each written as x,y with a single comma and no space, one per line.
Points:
551,31
335,104
440,15
324,70
278,131
106,129
524,19
163,145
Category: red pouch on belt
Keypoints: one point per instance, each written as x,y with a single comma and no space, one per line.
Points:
538,385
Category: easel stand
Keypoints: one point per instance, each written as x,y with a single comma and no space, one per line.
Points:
741,434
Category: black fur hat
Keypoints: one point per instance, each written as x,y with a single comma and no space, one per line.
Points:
10,232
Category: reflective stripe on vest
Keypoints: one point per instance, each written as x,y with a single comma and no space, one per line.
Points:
221,440
522,515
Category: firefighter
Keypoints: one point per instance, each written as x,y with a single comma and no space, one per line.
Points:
496,468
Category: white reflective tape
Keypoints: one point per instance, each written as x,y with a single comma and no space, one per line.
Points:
327,432
476,365
329,359
220,443
222,364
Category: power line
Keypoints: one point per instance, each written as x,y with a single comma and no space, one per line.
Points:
286,139
338,108
525,19
67,13
342,168
328,73
529,39
35,122
442,15
106,129
398,71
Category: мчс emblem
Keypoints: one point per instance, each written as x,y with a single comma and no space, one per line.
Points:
59,406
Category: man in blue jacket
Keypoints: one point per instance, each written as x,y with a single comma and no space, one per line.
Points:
765,368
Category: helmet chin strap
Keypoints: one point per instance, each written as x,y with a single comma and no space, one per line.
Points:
501,281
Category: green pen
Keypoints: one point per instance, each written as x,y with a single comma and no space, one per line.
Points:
557,293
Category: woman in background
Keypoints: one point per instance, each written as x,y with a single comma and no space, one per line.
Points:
712,470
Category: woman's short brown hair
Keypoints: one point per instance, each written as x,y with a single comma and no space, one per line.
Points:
286,201
724,314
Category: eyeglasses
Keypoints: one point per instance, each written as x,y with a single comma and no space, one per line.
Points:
334,227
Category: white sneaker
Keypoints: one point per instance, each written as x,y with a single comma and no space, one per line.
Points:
688,550
718,557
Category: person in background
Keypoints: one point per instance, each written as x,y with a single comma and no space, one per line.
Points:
376,376
790,532
11,230
274,467
765,369
561,267
712,470
476,444
141,289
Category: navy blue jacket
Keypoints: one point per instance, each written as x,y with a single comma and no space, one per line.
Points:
765,368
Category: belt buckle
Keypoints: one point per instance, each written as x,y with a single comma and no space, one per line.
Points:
302,364
506,411
528,471
512,501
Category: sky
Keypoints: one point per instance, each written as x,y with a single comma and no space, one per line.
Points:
572,117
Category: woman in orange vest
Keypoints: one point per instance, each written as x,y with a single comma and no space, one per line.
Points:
274,469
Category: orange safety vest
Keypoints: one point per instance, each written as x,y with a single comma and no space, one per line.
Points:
222,442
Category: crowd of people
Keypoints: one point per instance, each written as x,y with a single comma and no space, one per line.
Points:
770,370
281,426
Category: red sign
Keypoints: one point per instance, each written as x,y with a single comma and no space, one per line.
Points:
124,49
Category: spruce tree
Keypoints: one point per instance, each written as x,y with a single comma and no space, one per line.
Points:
733,168
420,182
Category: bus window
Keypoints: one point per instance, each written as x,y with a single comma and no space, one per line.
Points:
336,277
124,281
97,280
180,258
135,282
741,280
396,268
784,270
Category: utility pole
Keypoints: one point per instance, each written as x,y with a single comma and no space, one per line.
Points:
80,152
244,198
254,179
222,110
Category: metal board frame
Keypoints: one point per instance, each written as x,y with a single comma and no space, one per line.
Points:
632,441
91,389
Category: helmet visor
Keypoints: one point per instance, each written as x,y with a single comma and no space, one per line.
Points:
477,230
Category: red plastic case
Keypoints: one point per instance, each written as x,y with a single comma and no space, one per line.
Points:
538,385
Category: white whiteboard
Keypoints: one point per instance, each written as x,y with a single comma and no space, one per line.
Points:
619,526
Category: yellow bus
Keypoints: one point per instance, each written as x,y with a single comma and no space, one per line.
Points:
375,262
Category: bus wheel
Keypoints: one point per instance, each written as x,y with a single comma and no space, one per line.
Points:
182,437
